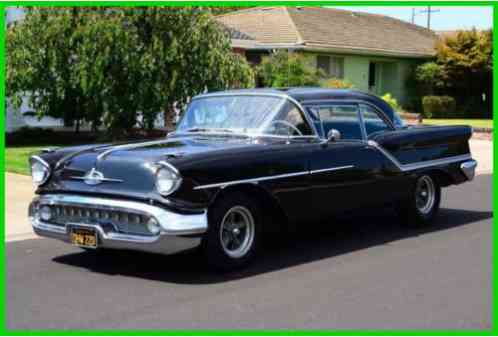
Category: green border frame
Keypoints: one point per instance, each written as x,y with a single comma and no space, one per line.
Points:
3,289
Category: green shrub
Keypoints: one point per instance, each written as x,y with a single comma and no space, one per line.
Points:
393,102
438,106
336,83
284,69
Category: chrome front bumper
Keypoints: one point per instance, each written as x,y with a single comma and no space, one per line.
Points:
178,231
469,169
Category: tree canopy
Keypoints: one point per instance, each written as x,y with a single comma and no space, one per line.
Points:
114,65
287,69
462,69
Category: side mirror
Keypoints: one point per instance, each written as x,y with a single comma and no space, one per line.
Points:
333,135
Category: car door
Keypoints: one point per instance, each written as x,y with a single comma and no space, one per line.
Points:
346,173
294,138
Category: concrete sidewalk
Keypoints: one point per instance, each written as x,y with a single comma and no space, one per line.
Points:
19,192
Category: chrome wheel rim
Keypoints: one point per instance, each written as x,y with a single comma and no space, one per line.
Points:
237,231
425,194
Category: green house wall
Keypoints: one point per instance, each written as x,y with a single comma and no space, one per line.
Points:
392,73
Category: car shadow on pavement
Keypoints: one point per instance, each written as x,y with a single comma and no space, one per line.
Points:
311,242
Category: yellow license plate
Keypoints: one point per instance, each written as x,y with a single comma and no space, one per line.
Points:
84,237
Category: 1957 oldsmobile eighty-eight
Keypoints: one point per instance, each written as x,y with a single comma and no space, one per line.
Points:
241,162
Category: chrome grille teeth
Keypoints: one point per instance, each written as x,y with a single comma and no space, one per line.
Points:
123,221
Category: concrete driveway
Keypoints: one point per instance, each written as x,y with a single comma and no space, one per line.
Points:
19,192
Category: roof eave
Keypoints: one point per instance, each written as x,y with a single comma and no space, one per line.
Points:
367,51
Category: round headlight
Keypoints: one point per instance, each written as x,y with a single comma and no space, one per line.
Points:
40,171
45,213
167,180
153,226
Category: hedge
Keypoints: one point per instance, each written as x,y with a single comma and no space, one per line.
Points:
438,107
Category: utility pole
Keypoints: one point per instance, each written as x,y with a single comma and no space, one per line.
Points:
429,11
413,16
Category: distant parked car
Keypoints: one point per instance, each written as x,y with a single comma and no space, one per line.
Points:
241,162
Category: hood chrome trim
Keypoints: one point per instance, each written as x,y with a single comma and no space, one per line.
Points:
94,177
74,154
135,146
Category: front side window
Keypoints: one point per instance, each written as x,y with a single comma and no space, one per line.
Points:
289,121
343,118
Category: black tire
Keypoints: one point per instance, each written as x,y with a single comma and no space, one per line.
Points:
214,250
412,213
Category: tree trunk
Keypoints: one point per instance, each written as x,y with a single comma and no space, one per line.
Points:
169,117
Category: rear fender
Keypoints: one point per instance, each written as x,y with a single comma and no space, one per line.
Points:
418,144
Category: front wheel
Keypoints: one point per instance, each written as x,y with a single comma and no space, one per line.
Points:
233,234
422,206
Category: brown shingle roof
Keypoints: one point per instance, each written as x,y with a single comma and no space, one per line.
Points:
334,29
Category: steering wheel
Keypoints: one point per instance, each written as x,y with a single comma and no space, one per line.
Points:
289,125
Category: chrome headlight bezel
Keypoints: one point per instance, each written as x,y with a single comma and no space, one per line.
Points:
39,166
168,179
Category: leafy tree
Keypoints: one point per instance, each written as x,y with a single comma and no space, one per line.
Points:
430,75
462,69
286,69
112,65
226,9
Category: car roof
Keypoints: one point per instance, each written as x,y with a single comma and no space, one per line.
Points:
310,94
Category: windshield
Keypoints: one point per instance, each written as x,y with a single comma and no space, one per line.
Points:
244,115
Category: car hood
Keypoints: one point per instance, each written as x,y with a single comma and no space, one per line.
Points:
129,168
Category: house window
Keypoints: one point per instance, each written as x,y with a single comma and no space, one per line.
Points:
330,65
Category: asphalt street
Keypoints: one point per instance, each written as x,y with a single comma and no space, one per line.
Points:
366,271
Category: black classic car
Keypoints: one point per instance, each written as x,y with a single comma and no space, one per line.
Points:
242,163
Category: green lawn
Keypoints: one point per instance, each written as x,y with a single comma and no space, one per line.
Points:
16,158
476,123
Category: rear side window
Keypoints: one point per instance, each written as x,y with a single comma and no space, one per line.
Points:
373,122
343,118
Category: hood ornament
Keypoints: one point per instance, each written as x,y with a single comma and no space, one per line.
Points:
94,177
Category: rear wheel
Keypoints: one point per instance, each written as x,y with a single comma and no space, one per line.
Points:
422,205
233,234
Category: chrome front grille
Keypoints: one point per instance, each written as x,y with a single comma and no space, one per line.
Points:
111,220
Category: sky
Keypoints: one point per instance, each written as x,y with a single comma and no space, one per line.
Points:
446,17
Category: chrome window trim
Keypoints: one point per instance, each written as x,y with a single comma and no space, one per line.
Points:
278,176
381,113
420,164
362,123
267,94
358,112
